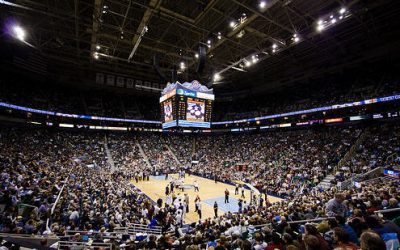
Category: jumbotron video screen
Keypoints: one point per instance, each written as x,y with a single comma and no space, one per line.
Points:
186,105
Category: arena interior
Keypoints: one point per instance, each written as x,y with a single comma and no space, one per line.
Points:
201,124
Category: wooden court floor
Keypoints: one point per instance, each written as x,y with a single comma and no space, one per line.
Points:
209,192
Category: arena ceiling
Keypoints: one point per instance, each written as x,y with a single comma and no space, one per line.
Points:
247,45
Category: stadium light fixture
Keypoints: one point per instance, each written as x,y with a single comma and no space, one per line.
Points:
232,24
96,55
333,20
196,55
247,63
219,36
19,33
296,38
105,9
217,77
182,65
262,4
208,41
254,58
97,47
342,10
274,46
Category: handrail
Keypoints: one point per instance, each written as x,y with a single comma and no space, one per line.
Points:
262,225
85,245
310,220
55,204
26,205
4,235
387,210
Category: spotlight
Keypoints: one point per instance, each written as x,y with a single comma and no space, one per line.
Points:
320,22
96,55
232,24
209,46
97,47
19,33
340,17
262,4
219,36
342,10
273,50
196,55
247,63
296,38
208,41
333,20
217,77
274,46
320,28
182,65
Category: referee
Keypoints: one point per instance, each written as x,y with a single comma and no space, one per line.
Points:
226,196
215,209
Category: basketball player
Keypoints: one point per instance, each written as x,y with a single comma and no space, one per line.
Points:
196,186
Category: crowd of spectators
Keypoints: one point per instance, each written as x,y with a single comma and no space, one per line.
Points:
379,143
279,163
103,103
39,166
335,91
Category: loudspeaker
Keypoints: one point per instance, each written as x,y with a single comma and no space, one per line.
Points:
202,59
157,68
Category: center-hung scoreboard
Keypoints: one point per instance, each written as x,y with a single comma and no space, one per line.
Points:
186,105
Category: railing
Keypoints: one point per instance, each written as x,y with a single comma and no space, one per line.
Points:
383,211
109,155
351,151
143,154
83,245
55,204
105,235
173,154
310,220
361,177
391,158
28,240
139,228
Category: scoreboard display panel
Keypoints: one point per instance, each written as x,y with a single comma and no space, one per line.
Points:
184,107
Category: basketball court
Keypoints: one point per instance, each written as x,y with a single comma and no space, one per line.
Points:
209,192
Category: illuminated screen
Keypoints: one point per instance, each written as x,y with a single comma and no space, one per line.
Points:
168,115
195,110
